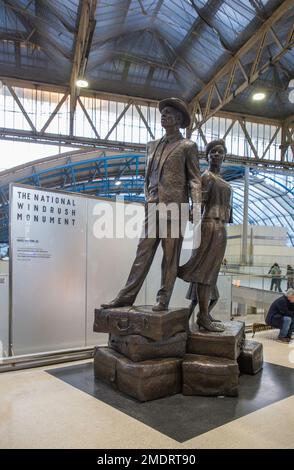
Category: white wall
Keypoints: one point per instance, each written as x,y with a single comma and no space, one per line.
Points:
108,265
266,245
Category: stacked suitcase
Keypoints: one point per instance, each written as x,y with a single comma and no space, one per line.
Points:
153,354
145,350
250,360
210,366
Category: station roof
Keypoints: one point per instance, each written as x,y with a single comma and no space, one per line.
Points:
151,48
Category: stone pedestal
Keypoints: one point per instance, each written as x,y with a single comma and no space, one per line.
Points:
225,344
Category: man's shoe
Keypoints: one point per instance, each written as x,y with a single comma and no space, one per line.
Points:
283,339
208,325
159,307
118,302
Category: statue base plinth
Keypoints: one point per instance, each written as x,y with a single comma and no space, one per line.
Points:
251,358
150,355
144,381
141,321
138,348
225,344
210,376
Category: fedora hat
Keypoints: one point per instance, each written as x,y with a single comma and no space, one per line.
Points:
180,105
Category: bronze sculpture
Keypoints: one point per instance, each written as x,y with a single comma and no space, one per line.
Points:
172,176
203,267
151,354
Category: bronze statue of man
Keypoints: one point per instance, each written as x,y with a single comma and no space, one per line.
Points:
172,177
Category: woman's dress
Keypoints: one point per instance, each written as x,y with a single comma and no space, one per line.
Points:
205,262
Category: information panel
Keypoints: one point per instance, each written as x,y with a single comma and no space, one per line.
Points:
48,249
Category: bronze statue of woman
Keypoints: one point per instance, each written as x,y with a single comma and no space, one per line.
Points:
203,267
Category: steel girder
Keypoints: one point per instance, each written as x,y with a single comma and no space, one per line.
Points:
83,41
235,76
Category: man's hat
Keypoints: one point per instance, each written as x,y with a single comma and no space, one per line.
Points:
180,105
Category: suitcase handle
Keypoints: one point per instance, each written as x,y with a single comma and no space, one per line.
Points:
122,325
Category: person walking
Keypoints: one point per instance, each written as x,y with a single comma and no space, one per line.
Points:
276,273
290,277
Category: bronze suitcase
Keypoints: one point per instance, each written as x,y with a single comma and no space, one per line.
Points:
105,365
141,321
220,344
210,376
138,348
144,381
251,358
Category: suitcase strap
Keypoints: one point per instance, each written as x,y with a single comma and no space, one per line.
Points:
124,325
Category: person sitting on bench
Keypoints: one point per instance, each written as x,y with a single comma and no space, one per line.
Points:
281,315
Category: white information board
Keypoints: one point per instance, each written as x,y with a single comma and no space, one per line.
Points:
48,249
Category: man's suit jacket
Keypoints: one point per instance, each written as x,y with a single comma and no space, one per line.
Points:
178,172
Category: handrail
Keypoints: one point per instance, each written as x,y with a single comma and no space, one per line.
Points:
267,276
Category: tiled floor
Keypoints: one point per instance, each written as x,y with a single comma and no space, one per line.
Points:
37,410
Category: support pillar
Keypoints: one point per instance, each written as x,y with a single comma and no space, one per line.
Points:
245,218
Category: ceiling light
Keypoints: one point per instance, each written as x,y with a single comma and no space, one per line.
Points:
117,183
82,83
258,96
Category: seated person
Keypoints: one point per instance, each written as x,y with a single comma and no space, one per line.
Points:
281,315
